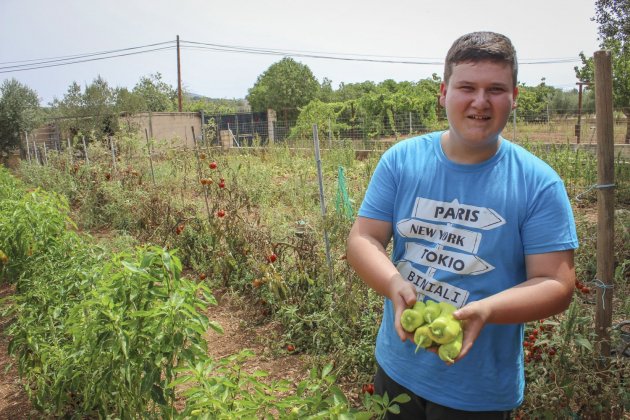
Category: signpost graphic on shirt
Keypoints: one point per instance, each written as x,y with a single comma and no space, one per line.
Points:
445,234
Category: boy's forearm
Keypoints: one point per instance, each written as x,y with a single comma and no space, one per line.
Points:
371,263
536,298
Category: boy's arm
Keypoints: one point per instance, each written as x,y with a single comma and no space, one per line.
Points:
547,291
366,253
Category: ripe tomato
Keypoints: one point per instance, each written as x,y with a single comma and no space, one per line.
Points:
220,213
368,388
290,348
221,185
271,258
202,276
213,165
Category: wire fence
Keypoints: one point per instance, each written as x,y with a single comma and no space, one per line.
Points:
254,129
577,167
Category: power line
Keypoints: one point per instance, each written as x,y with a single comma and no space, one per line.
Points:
86,60
41,63
76,56
288,52
350,56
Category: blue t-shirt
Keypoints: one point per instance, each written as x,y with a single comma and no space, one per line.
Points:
461,233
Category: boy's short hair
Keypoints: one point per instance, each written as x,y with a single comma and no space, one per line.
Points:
481,46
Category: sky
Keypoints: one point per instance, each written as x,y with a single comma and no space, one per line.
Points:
417,31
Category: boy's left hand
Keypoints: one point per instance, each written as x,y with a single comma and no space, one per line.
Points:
474,316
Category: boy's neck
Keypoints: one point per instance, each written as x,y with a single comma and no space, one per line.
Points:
460,152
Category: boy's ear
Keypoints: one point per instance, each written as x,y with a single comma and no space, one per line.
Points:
442,94
514,96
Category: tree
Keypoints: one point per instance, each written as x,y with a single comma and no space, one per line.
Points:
19,112
285,86
129,102
533,102
613,18
158,95
92,112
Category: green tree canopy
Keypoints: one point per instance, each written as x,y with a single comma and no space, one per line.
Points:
613,18
285,86
91,112
158,95
533,101
19,112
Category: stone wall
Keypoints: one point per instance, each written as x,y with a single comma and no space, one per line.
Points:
171,126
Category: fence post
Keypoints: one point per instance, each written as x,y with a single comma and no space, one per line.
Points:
605,199
318,162
45,160
36,152
70,151
329,134
203,132
146,133
28,148
514,123
410,124
200,173
111,145
87,159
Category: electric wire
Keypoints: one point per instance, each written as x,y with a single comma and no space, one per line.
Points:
41,63
348,56
34,67
75,56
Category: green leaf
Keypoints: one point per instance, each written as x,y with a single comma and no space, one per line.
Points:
395,409
584,343
327,369
157,394
402,398
216,326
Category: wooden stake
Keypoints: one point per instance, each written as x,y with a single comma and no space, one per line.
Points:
150,156
318,163
605,198
200,174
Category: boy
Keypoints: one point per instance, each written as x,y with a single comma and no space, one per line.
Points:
476,221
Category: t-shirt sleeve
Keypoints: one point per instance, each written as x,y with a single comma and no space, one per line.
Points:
380,196
550,225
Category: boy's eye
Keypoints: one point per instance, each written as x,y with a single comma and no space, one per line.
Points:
467,88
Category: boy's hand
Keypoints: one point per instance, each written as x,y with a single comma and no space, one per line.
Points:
403,296
474,316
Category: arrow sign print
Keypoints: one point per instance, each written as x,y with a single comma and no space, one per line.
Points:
440,259
456,213
446,235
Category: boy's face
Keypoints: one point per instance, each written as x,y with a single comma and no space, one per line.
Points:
478,99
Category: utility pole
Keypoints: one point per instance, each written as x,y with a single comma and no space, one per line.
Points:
179,78
578,126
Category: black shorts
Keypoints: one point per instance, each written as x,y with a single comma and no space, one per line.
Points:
420,409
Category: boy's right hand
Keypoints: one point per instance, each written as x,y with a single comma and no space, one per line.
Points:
403,295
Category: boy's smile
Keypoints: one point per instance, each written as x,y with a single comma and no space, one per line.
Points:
478,99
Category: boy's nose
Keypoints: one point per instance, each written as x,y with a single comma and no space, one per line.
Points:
480,98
